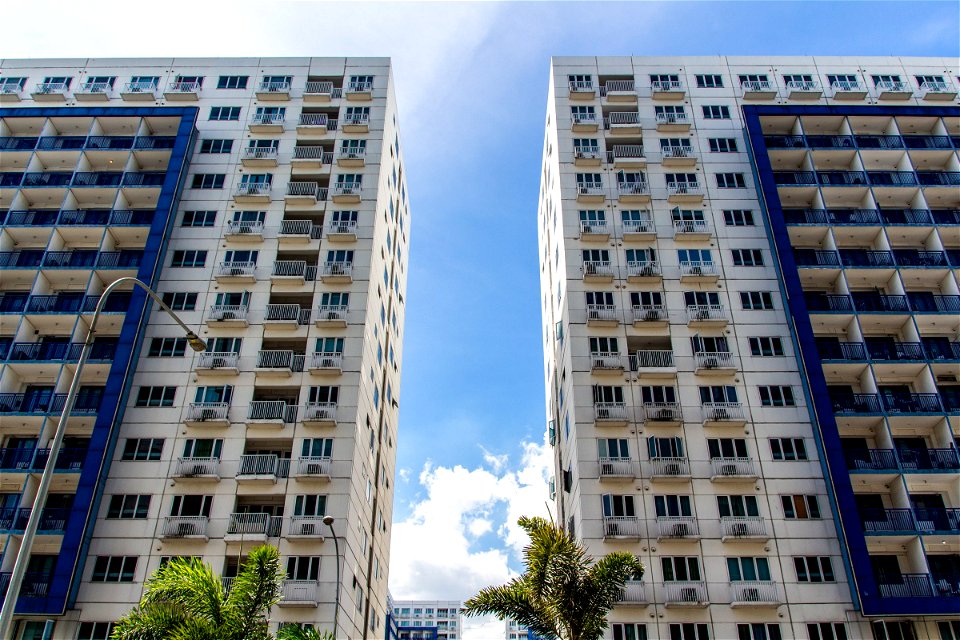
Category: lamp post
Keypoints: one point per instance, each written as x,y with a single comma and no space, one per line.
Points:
328,520
26,545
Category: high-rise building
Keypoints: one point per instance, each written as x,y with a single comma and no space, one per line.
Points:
749,278
424,619
265,200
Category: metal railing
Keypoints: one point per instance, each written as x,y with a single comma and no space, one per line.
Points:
300,591
207,411
594,226
662,411
285,313
714,360
892,86
602,312
847,86
677,526
272,410
669,467
617,86
296,227
585,118
655,359
623,118
326,360
352,153
684,188
263,465
273,87
753,591
666,85
279,359
705,312
757,86
318,87
633,592
649,312
347,189
52,87
676,151
192,467
183,526
673,118
290,268
610,411
887,520
909,585
306,526
331,312
254,524
601,268
319,411
144,86
313,466
606,360
721,411
590,189
359,87
253,189
633,188
95,87
304,189
581,85
342,227
260,153
691,226
184,87
743,526
223,312
619,467
337,269
235,269
696,268
313,120
268,118
355,119
244,227
935,87
626,526
693,592
803,86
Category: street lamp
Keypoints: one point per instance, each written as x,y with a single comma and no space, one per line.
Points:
23,556
328,520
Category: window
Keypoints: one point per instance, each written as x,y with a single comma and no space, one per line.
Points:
826,631
156,396
180,300
759,631
680,569
673,506
198,219
212,145
583,113
188,258
695,256
232,82
616,506
131,507
114,569
710,81
101,82
670,113
58,80
718,393
689,631
667,79
720,448
207,181
777,396
766,347
95,631
628,631
748,568
842,80
738,217
224,113
189,80
814,569
788,449
797,77
949,629
928,81
756,300
747,257
800,507
167,347
716,112
752,77
723,145
12,84
885,79
893,630
142,449
731,181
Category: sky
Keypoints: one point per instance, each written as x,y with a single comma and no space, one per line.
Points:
471,83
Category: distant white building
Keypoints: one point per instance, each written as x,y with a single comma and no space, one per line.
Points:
424,619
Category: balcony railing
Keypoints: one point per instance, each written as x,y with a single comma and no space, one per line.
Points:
743,527
623,118
193,467
585,118
590,189
856,403
855,351
753,591
626,151
896,351
677,151
227,312
907,585
319,88
313,120
341,227
52,87
939,178
688,592
610,410
847,86
263,465
617,467
307,526
601,268
143,86
254,524
688,188
294,269
662,411
313,466
633,592
272,410
622,526
633,188
887,520
207,411
651,359
606,360
95,87
326,360
602,312
184,526
672,118
337,269
319,411
273,359
883,303
649,312
892,86
236,269
581,85
698,268
332,312
669,467
252,189
803,86
244,227
677,527
273,87
354,119
714,360
732,468
184,87
300,591
268,118
757,86
723,411
260,153
643,269
666,85
594,226
286,313
912,403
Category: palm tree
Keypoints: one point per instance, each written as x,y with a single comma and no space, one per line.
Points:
563,593
186,600
296,632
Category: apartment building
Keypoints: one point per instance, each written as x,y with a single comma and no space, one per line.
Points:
424,620
265,200
751,313
513,630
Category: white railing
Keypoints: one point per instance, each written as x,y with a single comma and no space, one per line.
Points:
359,87
253,189
847,86
662,411
669,467
623,118
638,226
300,591
352,153
597,268
308,189
676,151
617,467
356,118
585,118
649,312
633,592
685,591
683,188
606,360
633,188
258,465
691,226
275,359
756,86
272,410
52,87
617,86
218,360
221,312
207,411
192,467
259,153
342,227
697,268
803,86
313,120
627,151
308,152
587,153
592,189
627,526
282,312
743,526
602,312
714,360
331,312
594,226
289,268
95,87
274,87
253,524
666,85
677,526
10,89
184,87
652,359
236,269
242,227
754,591
610,410
700,312
183,526
644,269
581,85
336,269
268,118
346,189
296,227
307,526
326,360
320,411
732,467
934,87
893,86
719,411
672,117
147,86
318,87
313,466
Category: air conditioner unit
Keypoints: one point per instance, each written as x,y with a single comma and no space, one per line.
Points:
681,530
689,594
710,363
739,529
751,594
696,271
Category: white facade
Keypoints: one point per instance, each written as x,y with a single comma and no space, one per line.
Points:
441,617
649,222
295,245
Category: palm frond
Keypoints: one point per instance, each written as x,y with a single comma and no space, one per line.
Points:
255,590
191,585
158,621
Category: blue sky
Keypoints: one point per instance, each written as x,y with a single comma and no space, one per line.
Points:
472,83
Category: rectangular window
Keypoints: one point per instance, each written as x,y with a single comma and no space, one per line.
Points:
198,219
232,82
716,112
689,631
207,181
95,631
777,396
893,630
167,347
814,569
766,347
759,631
156,396
180,300
224,113
788,449
747,257
114,569
826,631
800,507
142,449
710,81
756,300
212,145
130,507
731,181
627,631
192,258
12,83
949,629
723,145
738,217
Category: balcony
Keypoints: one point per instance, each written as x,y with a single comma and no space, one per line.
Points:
646,271
361,90
228,315
206,468
602,315
610,414
691,230
591,193
753,593
804,90
670,469
183,90
298,232
677,527
259,156
346,192
618,469
336,272
847,90
341,231
300,593
622,527
326,363
603,362
632,593
937,91
51,92
278,363
585,122
723,414
331,315
252,193
252,527
937,352
292,272
207,414
351,156
217,363
355,123
893,178
587,156
304,194
849,351
698,271
271,413
582,90
869,302
896,351
262,467
942,520
649,315
597,271
735,528
286,316
633,192
35,585
829,303
619,91
244,231
310,158
671,122
185,528
53,521
320,91
623,122
893,90
887,521
93,92
320,414
856,404
758,90
938,178
653,361
268,91
10,93
236,271
946,217
667,90
907,585
678,156
912,403
685,593
627,156
921,258
713,363
314,124
733,469
597,230
684,192
314,467
144,91
306,528
663,414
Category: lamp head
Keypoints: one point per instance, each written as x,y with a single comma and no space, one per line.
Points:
195,342
328,520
